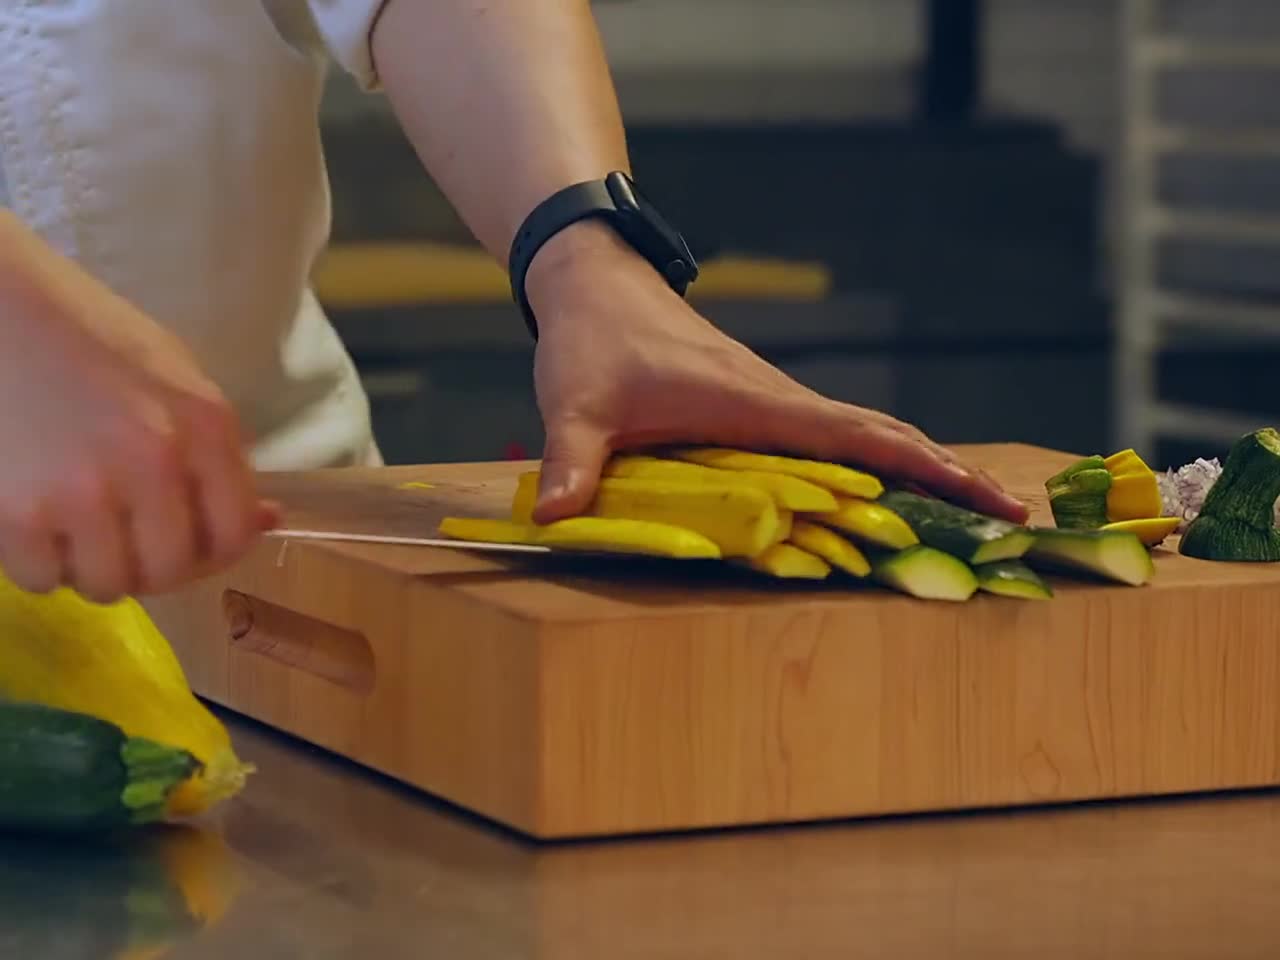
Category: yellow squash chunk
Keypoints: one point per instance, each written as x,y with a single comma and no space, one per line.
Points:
741,521
111,662
789,563
870,522
1134,496
1125,461
1150,530
790,493
833,476
830,546
588,533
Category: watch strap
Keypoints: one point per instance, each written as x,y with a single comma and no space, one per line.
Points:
579,201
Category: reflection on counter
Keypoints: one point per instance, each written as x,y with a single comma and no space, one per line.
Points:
135,896
341,864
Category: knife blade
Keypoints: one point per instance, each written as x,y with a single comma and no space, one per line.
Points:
340,535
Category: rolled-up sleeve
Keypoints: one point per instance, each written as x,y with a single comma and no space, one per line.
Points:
347,28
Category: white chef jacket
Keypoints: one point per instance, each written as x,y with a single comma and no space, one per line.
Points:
172,147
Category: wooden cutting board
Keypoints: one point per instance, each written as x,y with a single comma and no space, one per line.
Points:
573,697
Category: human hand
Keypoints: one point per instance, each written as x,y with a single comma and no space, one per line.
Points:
124,471
624,362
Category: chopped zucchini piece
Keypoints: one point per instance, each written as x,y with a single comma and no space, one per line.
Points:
790,493
925,573
589,534
1152,531
789,562
742,521
830,546
1012,578
1237,520
1078,495
833,476
1109,554
970,536
869,522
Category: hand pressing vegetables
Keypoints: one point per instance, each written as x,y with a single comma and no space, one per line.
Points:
1237,520
805,520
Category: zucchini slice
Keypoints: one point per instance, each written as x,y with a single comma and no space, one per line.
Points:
1110,554
1011,578
925,573
969,536
65,771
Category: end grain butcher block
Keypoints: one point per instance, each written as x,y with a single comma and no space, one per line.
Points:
584,697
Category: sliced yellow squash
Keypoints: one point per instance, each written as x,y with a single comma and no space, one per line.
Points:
790,493
1150,530
870,522
742,521
830,546
833,476
789,562
588,533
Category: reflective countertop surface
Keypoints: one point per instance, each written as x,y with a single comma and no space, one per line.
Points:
321,860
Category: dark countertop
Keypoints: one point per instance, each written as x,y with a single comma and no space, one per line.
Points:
329,862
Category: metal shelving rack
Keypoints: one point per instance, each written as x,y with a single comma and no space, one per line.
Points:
1149,316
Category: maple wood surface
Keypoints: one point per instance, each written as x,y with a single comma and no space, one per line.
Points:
574,696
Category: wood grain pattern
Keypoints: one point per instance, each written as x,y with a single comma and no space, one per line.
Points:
565,698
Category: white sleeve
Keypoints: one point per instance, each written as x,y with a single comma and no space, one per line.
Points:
347,26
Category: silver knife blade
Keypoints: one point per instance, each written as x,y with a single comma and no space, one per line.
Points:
338,535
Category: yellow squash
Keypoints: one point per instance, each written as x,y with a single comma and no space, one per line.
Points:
869,522
1150,530
788,562
833,476
830,546
790,493
588,533
112,663
741,521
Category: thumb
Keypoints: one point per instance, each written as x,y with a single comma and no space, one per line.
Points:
572,461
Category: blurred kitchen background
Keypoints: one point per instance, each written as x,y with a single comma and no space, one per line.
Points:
1055,222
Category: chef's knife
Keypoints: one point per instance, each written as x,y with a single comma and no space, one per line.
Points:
339,535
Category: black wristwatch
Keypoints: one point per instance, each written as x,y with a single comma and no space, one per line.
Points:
615,200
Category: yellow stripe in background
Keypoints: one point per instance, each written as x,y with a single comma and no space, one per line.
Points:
368,276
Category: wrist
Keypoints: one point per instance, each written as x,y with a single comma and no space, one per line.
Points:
579,253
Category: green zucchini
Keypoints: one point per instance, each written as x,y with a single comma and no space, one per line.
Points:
924,573
1011,578
65,771
1237,520
1078,495
1109,554
969,536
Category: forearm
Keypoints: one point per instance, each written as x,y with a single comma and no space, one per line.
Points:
505,101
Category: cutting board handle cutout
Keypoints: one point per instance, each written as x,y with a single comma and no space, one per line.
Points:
333,653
